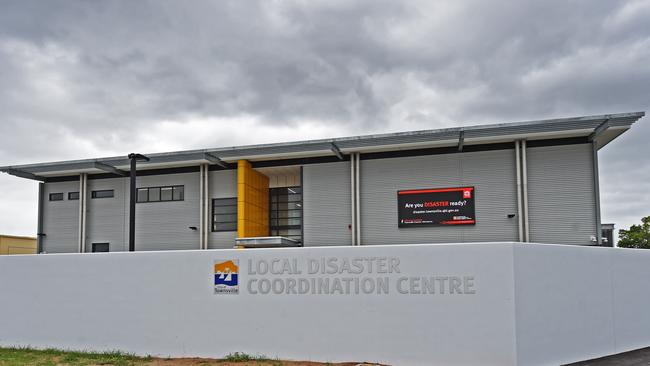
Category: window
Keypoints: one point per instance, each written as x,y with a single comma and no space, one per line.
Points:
286,212
73,196
179,193
166,194
56,196
143,195
106,193
224,214
153,194
161,194
100,247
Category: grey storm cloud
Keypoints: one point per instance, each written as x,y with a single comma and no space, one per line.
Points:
81,77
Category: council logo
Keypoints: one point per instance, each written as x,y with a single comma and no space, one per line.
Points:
226,273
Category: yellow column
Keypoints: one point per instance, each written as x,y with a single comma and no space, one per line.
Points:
252,201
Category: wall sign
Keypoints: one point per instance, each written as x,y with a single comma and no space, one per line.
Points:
436,207
334,275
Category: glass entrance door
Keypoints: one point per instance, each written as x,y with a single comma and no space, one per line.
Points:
285,212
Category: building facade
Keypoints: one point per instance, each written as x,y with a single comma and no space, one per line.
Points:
11,244
528,181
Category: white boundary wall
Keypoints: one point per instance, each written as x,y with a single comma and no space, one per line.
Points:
512,304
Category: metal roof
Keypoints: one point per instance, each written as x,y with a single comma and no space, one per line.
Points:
600,128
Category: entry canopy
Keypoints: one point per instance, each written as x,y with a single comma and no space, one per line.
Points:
601,129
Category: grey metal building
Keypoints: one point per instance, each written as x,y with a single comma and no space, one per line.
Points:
527,181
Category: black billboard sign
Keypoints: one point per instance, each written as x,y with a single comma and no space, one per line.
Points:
438,206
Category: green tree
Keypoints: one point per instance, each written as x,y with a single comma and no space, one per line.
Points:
638,236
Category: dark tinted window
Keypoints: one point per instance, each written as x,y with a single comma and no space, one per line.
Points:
56,196
157,194
106,193
100,247
72,196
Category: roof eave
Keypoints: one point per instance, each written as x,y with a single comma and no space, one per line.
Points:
472,135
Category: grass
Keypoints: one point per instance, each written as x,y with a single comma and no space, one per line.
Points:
52,357
20,356
243,357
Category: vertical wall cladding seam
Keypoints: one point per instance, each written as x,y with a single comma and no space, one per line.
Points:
327,204
561,194
60,219
491,172
223,184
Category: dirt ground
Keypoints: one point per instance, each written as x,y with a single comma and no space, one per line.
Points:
210,362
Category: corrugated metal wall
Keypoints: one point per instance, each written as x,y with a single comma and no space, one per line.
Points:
165,225
561,201
223,184
326,204
60,219
159,225
561,194
106,218
491,172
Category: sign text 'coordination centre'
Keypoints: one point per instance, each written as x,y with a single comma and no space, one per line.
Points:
348,276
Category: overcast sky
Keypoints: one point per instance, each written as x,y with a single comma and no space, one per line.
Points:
91,79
